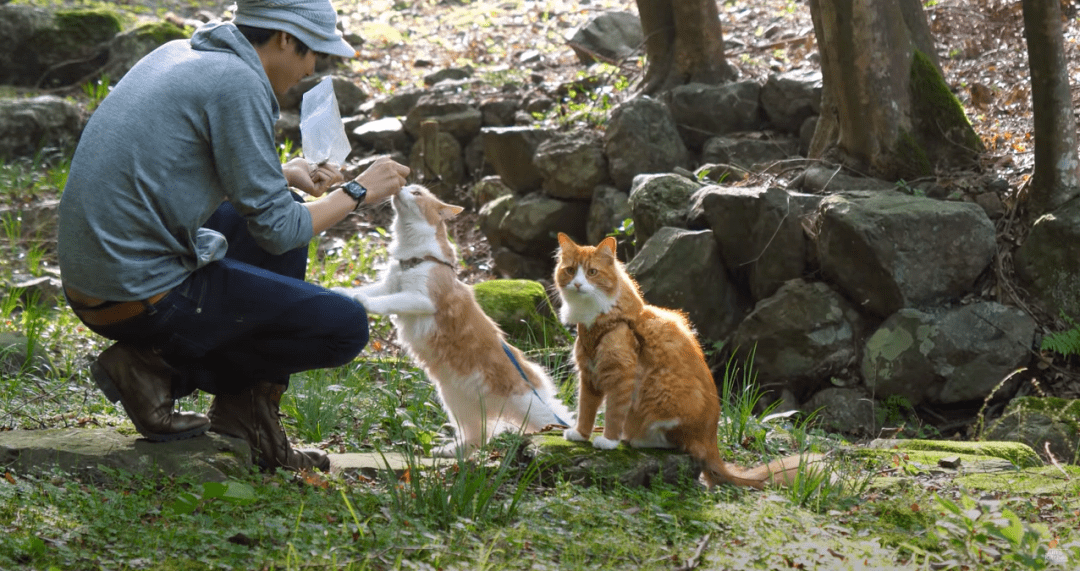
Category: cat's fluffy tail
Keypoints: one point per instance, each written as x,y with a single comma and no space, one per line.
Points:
782,472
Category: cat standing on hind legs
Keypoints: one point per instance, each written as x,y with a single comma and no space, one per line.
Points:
485,384
645,365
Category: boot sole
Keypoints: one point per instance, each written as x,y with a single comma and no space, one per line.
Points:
105,383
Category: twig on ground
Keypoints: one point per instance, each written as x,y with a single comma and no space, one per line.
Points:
695,559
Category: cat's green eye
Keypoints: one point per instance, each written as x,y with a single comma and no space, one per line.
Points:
593,271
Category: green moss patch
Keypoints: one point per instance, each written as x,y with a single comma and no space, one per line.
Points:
521,308
943,129
1048,480
1018,454
580,463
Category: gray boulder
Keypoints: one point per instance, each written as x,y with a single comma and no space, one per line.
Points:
760,233
949,356
287,128
54,48
751,152
17,25
659,200
822,179
1041,422
788,99
438,161
1047,264
457,117
571,165
844,410
492,214
487,189
36,220
610,207
705,111
27,125
384,135
499,111
19,355
641,138
449,74
349,95
509,264
801,336
510,152
610,37
530,224
398,104
680,269
886,250
127,48
96,454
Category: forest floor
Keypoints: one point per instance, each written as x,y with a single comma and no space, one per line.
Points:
914,515
980,43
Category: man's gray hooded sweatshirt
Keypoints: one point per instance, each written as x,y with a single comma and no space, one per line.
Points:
191,125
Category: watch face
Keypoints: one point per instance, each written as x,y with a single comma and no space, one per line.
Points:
355,190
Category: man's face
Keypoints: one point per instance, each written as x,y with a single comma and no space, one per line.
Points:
284,67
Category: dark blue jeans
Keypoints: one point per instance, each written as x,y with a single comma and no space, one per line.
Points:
246,318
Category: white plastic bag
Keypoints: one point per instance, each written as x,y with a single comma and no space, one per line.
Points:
321,129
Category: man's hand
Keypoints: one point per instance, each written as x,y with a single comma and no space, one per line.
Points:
312,179
383,179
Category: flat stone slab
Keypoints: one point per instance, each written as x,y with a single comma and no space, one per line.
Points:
374,465
98,453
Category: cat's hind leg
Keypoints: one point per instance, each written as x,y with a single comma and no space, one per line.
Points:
650,434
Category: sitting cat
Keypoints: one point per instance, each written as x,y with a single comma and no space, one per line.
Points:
645,362
483,382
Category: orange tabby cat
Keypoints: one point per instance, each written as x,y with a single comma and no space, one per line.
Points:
645,362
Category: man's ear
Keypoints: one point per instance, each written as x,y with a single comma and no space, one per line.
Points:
281,39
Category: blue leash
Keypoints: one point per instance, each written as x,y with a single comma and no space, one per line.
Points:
513,359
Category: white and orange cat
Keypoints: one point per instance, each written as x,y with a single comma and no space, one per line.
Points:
485,384
645,364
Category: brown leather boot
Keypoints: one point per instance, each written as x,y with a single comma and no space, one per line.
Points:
253,416
142,381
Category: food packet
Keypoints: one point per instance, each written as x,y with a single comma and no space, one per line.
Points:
321,130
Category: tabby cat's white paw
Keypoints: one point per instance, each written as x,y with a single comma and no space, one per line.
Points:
352,293
605,443
574,436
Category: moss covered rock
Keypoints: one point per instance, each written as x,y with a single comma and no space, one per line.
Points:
71,45
128,48
521,308
1037,421
932,452
580,463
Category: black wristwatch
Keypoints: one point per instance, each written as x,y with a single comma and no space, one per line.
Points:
355,190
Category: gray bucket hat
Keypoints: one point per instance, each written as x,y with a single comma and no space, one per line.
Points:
313,22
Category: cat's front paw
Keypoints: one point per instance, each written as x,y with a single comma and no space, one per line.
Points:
352,293
604,443
573,435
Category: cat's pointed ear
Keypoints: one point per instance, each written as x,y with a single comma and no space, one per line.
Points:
608,245
448,211
565,242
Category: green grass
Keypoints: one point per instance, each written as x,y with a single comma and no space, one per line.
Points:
491,511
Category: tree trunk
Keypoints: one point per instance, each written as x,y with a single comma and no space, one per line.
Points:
1055,180
886,110
683,44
